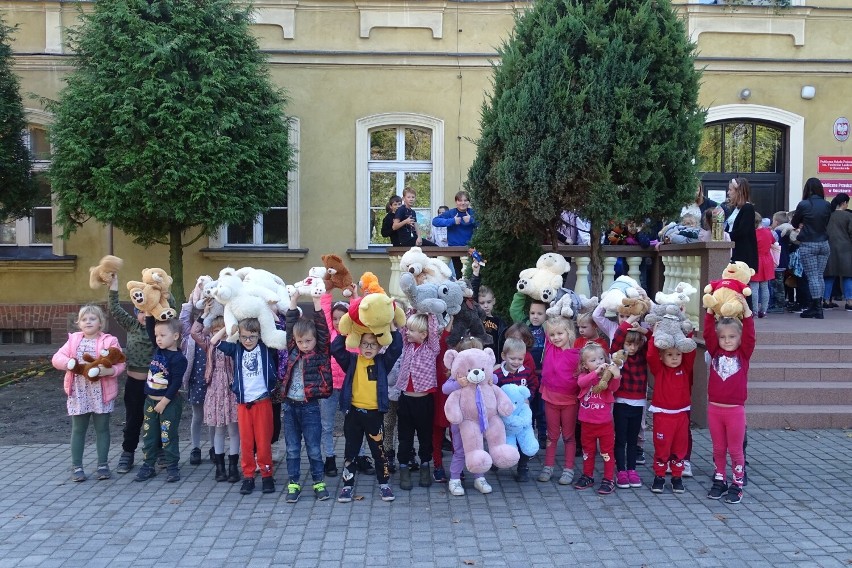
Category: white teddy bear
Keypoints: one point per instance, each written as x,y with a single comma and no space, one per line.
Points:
424,268
216,308
313,285
623,287
270,281
544,281
246,300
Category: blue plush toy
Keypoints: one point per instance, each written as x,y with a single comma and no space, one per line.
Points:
519,424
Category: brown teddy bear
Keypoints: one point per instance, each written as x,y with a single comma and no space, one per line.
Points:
337,275
90,366
726,297
635,306
101,275
618,358
151,296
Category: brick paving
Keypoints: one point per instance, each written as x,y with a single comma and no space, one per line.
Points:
796,511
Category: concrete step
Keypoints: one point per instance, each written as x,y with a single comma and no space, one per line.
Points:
839,335
798,393
786,353
774,371
799,416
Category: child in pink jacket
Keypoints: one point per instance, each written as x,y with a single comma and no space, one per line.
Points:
90,398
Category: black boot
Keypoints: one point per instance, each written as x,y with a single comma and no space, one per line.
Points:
219,460
814,310
233,468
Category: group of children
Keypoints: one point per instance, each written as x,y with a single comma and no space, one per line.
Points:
577,393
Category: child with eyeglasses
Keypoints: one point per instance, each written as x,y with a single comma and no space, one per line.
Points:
255,375
364,400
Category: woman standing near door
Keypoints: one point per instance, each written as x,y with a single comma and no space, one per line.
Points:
740,225
811,216
840,259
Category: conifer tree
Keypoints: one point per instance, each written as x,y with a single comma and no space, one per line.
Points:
18,194
594,109
169,125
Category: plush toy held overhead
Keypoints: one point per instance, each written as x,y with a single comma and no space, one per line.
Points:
477,408
468,322
568,304
622,287
369,284
669,316
337,275
519,428
634,306
216,307
313,285
726,297
101,275
424,298
371,314
544,281
151,296
243,300
270,281
423,267
90,367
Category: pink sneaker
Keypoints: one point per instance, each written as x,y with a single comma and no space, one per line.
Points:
633,479
621,480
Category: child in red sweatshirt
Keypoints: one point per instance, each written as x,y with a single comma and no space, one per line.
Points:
730,344
670,404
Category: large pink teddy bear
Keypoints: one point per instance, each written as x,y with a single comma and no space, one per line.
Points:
477,408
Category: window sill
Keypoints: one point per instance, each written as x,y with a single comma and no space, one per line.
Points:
35,259
368,254
228,254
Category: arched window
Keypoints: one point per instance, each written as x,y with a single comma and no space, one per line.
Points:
395,151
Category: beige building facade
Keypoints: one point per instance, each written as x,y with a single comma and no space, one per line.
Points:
387,94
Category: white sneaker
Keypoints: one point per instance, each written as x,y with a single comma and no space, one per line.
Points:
482,486
687,468
455,487
567,477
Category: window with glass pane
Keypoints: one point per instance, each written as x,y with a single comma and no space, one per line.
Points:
400,157
738,145
38,228
36,140
767,149
710,150
270,228
41,223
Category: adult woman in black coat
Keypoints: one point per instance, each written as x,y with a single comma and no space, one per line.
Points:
840,258
740,224
811,217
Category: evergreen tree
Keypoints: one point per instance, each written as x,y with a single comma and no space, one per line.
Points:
594,109
169,122
18,194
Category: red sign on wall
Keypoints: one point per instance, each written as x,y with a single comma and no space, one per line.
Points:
834,186
835,165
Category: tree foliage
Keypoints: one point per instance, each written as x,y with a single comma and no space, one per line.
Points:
18,193
594,109
168,122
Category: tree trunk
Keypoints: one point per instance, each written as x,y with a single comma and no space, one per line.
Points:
596,261
176,264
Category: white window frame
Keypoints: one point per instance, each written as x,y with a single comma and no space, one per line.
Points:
24,227
363,126
219,240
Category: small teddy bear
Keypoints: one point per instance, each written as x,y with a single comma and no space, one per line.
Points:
151,295
606,375
669,318
544,281
313,285
519,428
101,275
423,267
369,284
337,275
90,367
622,287
726,297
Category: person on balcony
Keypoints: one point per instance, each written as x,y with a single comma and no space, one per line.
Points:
460,223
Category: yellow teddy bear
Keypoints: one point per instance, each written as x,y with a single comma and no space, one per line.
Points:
726,297
151,296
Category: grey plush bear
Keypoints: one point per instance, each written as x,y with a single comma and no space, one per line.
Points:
424,297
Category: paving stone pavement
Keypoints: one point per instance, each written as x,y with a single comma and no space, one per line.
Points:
796,511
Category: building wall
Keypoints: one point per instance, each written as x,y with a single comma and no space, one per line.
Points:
344,61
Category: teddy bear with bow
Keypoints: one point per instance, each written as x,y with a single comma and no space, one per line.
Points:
477,408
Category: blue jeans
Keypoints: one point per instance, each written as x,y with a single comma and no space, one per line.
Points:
302,420
328,411
847,287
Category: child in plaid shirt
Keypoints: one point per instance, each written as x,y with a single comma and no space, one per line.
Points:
629,399
417,382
